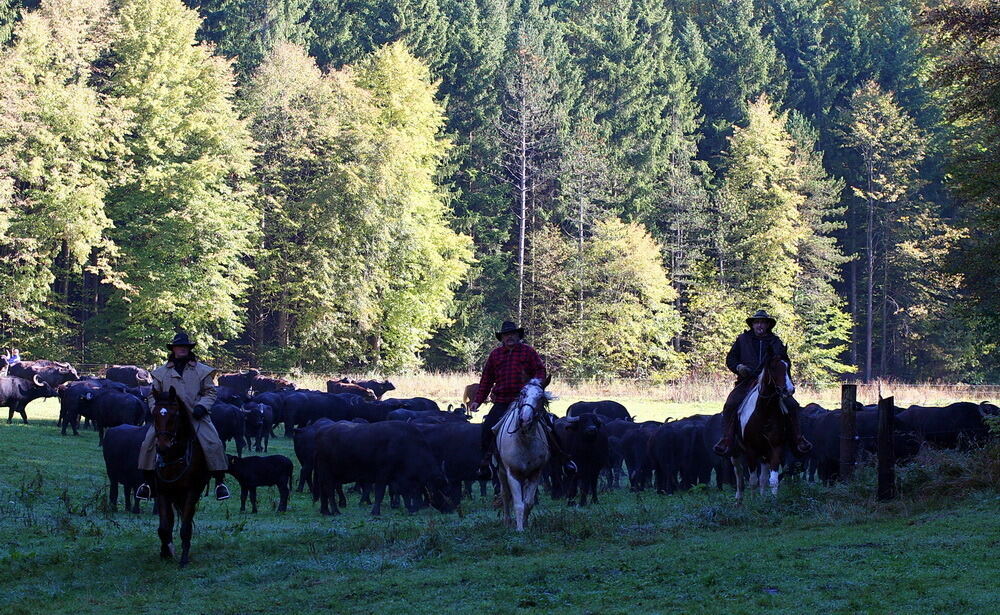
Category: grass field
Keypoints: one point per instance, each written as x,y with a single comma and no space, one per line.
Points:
812,550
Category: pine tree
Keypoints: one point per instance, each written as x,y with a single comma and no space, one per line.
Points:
744,65
247,30
890,147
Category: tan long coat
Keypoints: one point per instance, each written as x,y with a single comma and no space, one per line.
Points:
195,387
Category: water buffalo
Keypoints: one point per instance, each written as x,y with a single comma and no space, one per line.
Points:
586,442
388,453
15,393
108,407
957,425
610,410
53,373
121,460
129,375
253,472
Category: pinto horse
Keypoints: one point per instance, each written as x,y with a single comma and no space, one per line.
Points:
522,451
181,472
761,441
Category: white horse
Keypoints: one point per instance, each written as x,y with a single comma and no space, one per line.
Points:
522,451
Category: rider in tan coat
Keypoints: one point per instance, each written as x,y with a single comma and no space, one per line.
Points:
194,383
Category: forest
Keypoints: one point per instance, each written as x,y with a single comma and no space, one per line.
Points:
373,186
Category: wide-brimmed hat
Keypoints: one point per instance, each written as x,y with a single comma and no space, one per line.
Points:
761,315
181,339
509,327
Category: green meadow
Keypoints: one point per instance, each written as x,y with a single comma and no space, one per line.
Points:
813,549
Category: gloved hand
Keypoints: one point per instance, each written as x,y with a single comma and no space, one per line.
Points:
743,370
199,412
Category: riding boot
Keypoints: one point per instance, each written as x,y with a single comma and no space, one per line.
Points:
221,490
802,446
569,467
145,490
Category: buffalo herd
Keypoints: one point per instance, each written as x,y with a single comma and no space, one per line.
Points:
422,455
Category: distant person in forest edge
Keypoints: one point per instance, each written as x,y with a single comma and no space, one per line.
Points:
509,367
751,351
194,383
14,356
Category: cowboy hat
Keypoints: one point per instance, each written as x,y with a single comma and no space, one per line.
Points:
509,327
181,339
762,315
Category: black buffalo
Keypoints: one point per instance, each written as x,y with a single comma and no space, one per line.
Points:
258,421
53,373
243,382
586,442
121,460
230,423
419,404
305,451
379,387
388,453
822,428
129,375
15,393
108,407
74,398
635,453
957,425
610,410
432,416
457,447
253,472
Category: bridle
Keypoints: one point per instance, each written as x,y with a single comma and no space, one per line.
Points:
536,414
184,459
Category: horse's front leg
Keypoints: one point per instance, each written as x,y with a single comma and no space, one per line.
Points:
517,497
738,473
773,466
187,528
166,529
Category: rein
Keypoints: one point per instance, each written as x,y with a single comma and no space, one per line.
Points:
185,459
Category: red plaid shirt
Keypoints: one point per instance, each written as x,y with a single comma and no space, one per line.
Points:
506,372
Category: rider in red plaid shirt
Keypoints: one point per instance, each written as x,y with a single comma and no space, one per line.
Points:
509,367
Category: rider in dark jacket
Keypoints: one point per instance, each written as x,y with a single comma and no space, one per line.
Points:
747,358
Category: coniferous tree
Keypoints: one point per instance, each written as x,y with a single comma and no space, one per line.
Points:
890,148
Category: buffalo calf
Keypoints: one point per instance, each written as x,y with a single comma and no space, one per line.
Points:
253,472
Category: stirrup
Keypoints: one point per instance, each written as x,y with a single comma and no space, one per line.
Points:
802,445
221,492
570,467
143,492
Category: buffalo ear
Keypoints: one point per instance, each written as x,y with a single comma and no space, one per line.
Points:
548,379
172,394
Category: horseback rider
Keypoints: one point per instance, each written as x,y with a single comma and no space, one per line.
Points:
509,367
747,358
194,383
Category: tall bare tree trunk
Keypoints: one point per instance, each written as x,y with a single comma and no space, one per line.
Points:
870,282
523,197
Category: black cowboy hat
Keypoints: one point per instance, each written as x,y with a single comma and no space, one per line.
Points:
509,327
761,315
181,339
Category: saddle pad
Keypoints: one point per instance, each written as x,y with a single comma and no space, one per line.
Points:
750,403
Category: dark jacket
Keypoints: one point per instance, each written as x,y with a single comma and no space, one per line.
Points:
753,351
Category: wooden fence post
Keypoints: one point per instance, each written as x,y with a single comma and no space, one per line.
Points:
886,453
848,441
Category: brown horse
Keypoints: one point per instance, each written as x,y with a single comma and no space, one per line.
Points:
760,444
181,472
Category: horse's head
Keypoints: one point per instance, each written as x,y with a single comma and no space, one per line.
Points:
776,377
168,418
533,401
